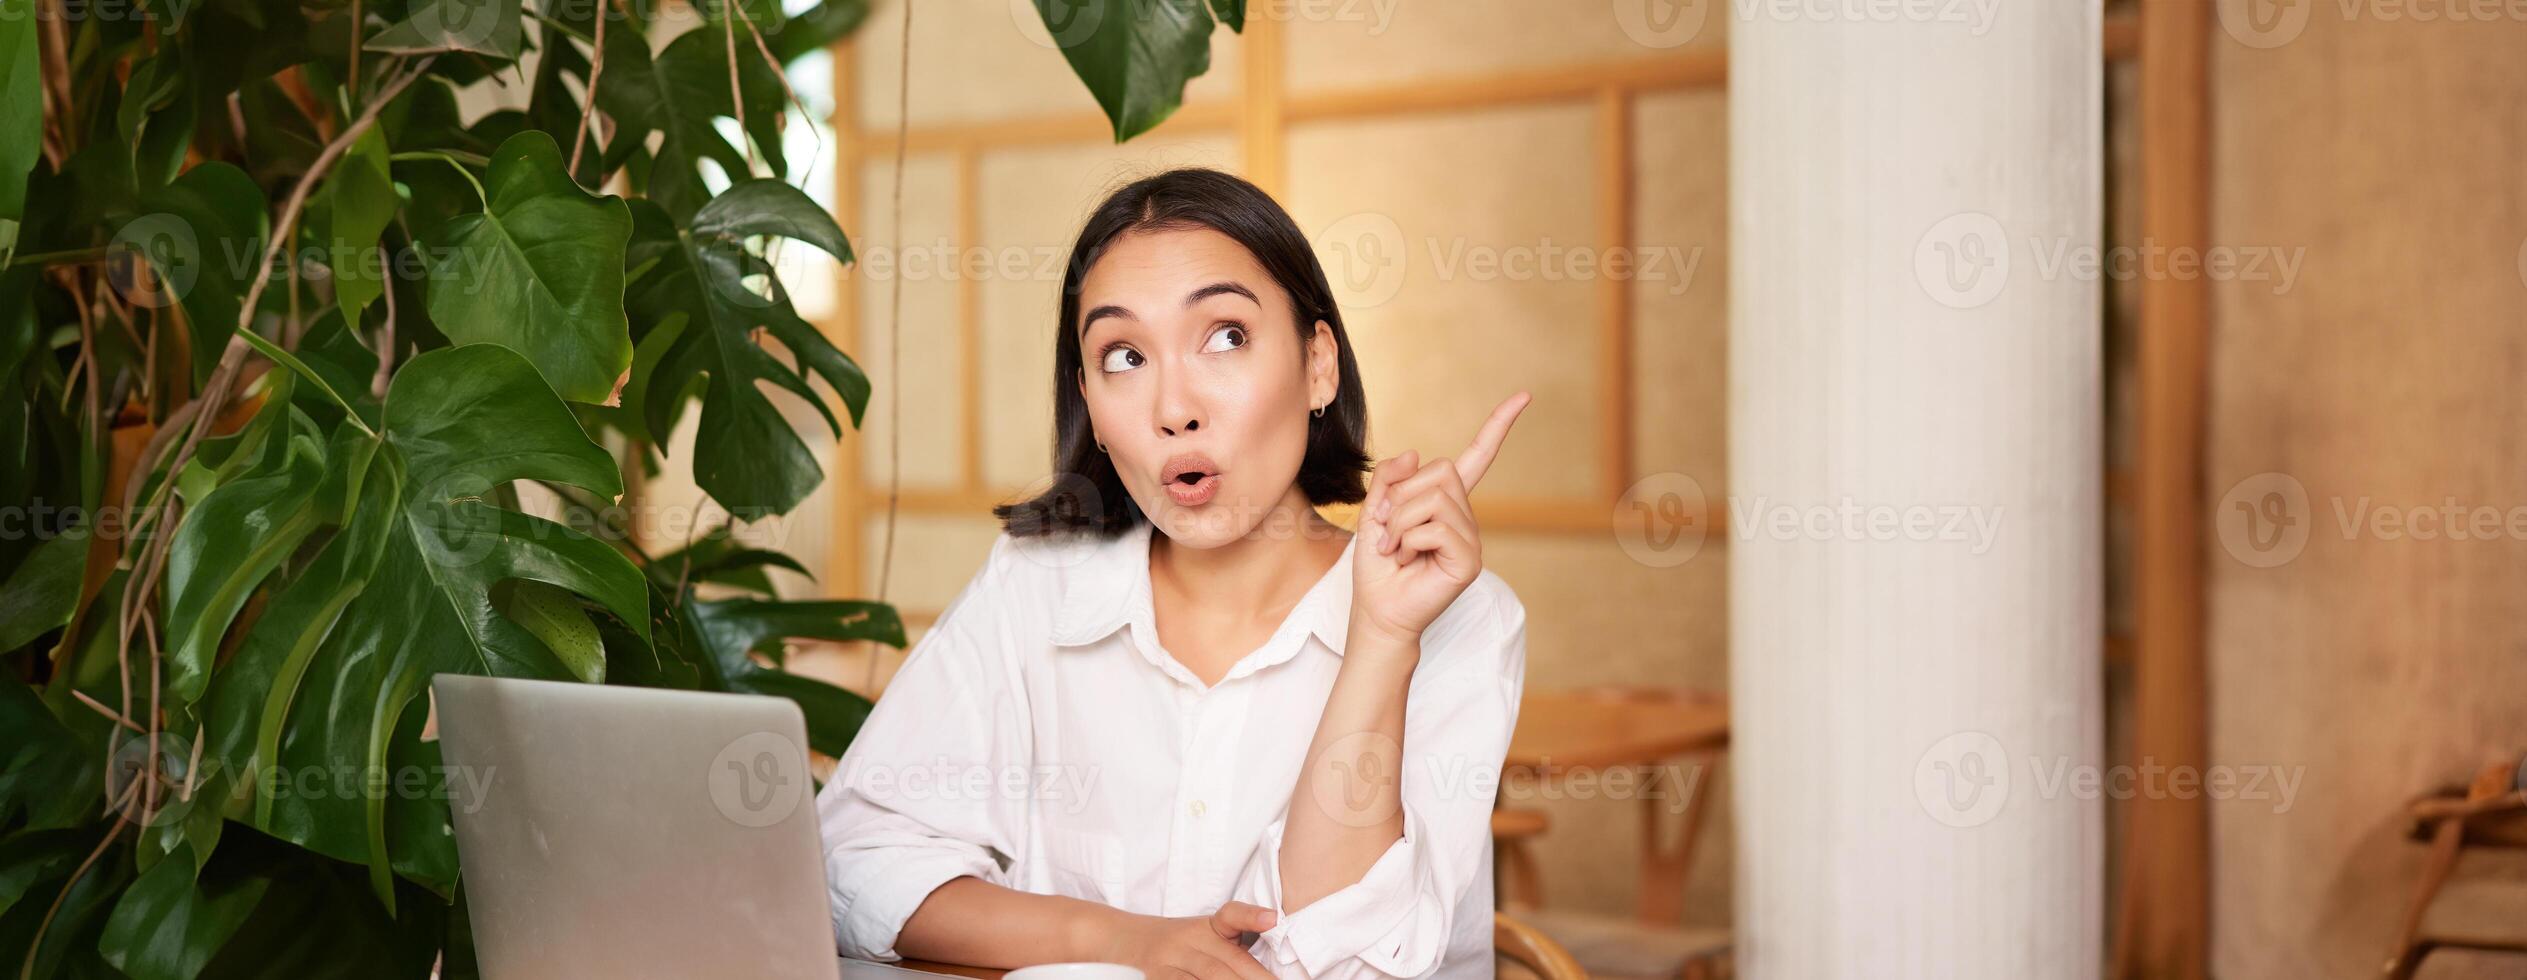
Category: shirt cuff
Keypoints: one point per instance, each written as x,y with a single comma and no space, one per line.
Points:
869,912
1382,920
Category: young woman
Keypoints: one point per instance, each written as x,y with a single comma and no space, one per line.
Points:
1179,720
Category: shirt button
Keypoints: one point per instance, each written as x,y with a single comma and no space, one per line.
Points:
1197,808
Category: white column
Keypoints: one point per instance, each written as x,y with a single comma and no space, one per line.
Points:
1914,426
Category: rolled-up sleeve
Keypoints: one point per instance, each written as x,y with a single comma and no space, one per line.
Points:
911,804
1399,919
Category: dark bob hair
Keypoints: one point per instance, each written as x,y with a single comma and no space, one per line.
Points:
1087,495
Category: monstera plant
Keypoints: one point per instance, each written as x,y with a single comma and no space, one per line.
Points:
311,389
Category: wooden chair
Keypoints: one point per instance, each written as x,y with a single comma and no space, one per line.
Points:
1520,943
2491,812
1653,941
1521,882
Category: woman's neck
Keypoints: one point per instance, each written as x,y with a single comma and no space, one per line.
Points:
1258,577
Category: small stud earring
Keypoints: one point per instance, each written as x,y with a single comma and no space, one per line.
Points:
1101,447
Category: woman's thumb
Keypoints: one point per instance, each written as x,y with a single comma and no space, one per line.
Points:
1238,917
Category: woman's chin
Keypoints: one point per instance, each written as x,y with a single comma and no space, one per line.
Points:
1212,518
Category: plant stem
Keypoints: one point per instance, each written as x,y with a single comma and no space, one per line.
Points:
596,70
450,160
386,336
291,361
65,256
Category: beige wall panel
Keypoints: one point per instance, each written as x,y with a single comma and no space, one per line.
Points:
1409,214
935,556
1596,616
2386,376
1680,288
927,258
1033,201
958,42
1343,44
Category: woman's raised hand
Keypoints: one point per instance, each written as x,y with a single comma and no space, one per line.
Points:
1418,547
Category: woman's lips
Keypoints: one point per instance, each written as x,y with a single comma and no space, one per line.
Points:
1194,494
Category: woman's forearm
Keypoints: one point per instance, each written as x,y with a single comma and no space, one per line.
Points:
977,923
1347,808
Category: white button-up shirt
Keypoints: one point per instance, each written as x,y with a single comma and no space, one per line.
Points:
1039,738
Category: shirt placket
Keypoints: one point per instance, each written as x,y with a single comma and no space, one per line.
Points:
1191,817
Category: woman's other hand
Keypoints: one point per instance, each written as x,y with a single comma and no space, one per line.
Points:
1207,947
1418,547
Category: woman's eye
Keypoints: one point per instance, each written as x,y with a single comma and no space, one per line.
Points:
1229,337
1120,359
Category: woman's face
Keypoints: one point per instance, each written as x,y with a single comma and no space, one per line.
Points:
1197,381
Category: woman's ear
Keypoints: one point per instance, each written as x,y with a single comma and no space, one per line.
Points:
1324,366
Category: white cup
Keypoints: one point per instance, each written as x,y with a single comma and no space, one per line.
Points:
1075,971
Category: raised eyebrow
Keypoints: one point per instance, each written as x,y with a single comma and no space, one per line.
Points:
1220,289
1103,312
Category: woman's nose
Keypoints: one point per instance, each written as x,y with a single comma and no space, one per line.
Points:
1179,411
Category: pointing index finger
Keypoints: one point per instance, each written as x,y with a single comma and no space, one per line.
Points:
1478,457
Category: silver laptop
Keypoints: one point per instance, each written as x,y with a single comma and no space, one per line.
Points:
626,832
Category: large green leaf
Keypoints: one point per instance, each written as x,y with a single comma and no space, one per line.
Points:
21,113
1231,12
70,928
1134,55
731,633
359,201
42,591
484,27
677,96
746,456
770,209
539,272
231,540
816,27
317,919
320,687
167,927
204,233
718,557
47,772
155,117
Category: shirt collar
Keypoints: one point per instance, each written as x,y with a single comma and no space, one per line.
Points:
1108,589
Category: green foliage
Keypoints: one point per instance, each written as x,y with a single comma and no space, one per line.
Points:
1137,55
282,339
539,270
